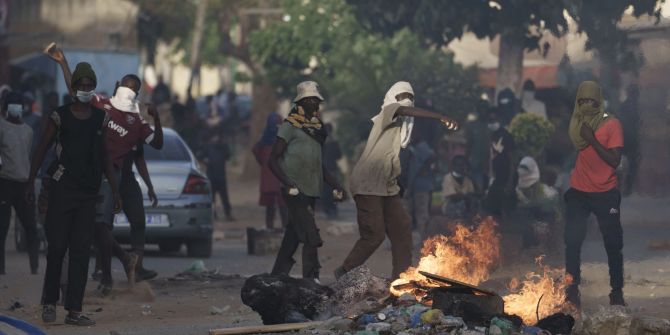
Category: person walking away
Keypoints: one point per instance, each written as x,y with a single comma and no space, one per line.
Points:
331,154
217,154
598,138
458,191
420,179
296,160
270,188
374,181
15,143
79,130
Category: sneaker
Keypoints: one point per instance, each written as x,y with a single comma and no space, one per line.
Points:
616,298
48,313
144,274
339,272
130,266
572,296
78,319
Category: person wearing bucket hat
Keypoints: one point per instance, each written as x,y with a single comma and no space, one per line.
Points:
78,130
296,160
598,138
374,181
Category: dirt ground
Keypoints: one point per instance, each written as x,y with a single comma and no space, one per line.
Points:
169,305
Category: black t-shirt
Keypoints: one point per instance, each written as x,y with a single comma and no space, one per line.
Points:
501,163
79,147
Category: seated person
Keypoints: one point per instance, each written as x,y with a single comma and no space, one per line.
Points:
458,191
538,202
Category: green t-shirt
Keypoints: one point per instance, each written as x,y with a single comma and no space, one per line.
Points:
301,161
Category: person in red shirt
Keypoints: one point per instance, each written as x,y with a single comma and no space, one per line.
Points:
126,130
598,137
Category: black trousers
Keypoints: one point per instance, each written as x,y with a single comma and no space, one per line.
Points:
301,228
220,186
69,228
606,207
133,207
12,195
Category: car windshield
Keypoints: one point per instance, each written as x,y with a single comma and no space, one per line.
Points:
173,150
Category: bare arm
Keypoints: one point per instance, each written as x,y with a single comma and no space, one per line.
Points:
141,165
109,173
611,156
278,150
41,150
55,53
157,141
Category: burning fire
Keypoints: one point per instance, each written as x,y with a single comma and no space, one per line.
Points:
539,295
469,256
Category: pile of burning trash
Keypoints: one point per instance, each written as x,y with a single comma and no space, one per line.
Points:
439,296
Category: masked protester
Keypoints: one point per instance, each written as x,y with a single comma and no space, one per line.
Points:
15,145
598,138
79,130
374,182
296,160
127,131
501,198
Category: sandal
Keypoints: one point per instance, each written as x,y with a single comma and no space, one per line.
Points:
144,274
104,289
48,313
78,319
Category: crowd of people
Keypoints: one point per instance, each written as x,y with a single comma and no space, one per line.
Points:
84,150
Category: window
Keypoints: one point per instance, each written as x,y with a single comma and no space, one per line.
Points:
173,150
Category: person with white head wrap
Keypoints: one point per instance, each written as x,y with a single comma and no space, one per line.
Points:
374,183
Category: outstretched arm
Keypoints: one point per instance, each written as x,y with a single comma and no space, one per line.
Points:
55,53
422,113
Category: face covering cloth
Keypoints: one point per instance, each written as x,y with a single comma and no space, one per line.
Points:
124,100
586,114
407,121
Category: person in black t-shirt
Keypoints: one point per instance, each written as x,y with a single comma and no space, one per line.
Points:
79,131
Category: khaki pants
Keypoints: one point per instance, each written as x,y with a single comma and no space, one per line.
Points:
378,217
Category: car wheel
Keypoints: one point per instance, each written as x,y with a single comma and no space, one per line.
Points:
200,248
169,246
20,237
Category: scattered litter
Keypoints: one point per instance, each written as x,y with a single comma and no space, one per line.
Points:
197,266
15,305
146,310
218,311
98,310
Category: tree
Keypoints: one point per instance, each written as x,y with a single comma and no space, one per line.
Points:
225,35
520,23
322,41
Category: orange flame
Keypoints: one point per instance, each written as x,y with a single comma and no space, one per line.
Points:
469,256
549,286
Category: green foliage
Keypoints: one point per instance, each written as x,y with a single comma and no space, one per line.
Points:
531,133
323,41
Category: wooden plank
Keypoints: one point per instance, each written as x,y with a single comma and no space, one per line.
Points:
453,282
283,327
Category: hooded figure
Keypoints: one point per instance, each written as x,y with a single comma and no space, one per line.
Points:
587,114
407,121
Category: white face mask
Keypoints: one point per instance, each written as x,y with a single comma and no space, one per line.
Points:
15,110
493,126
84,96
406,103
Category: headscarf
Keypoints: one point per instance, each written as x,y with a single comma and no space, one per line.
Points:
271,129
124,100
407,121
82,70
529,172
586,114
312,127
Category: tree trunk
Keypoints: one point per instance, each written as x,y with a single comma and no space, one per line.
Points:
510,61
198,32
264,101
